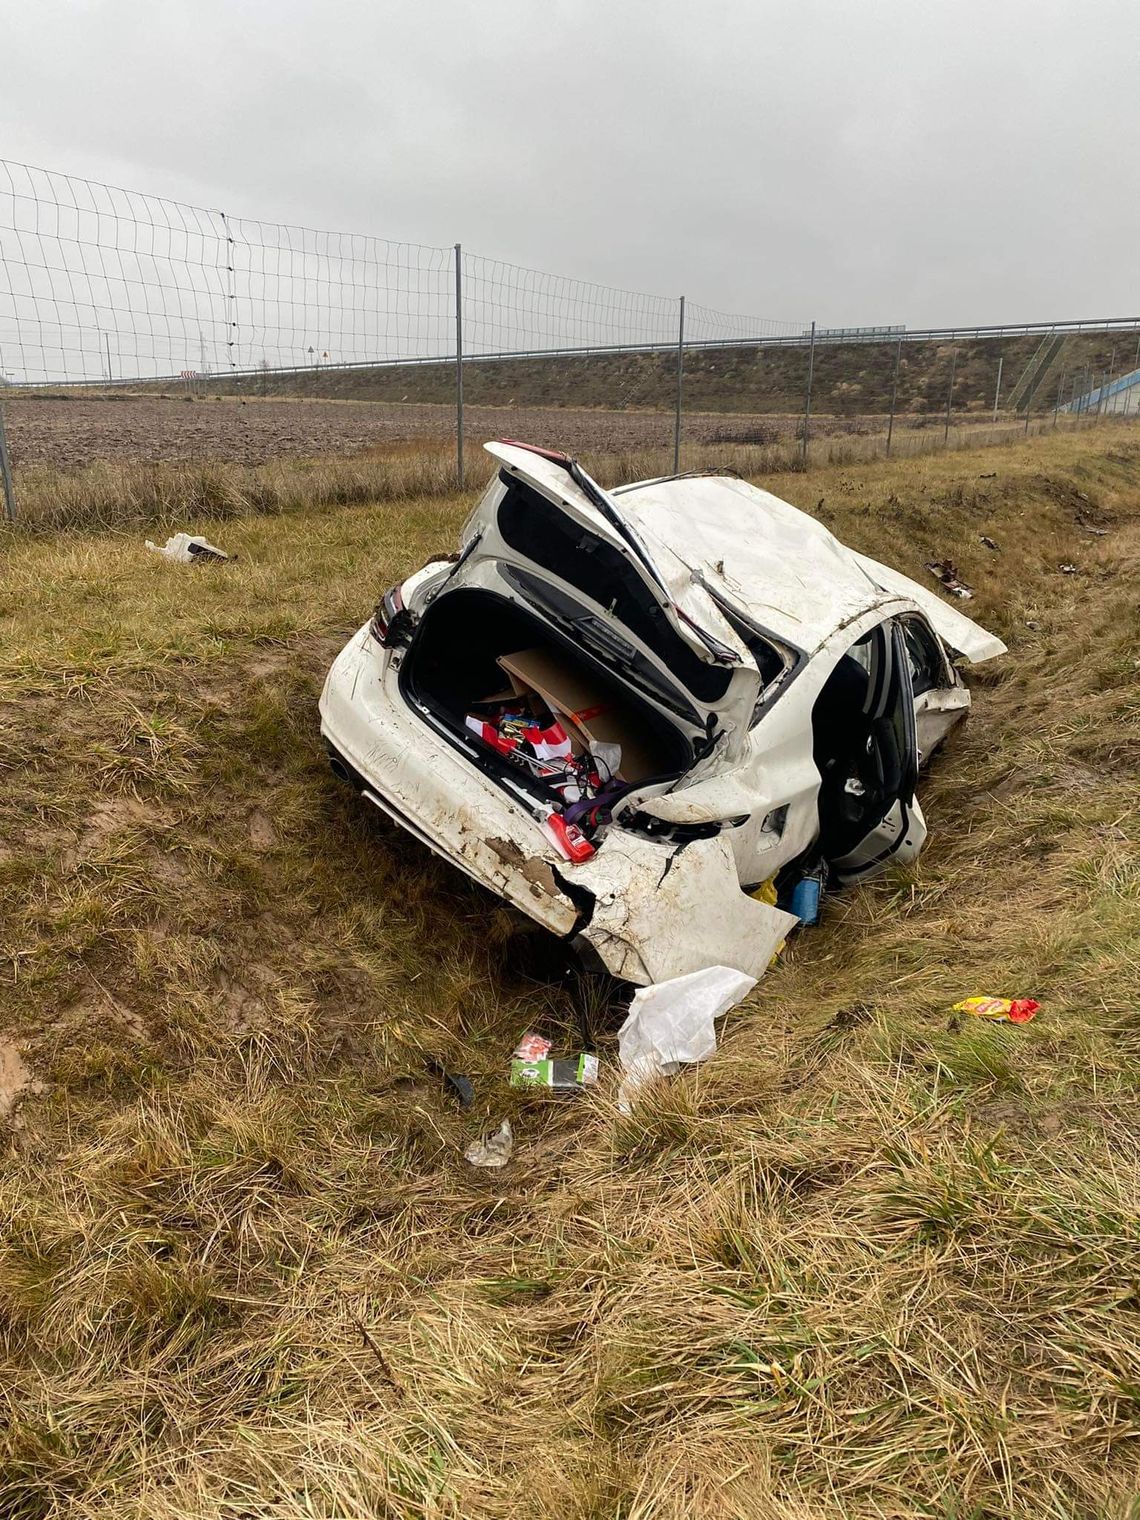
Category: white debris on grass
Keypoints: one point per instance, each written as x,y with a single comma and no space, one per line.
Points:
493,1152
186,549
670,1024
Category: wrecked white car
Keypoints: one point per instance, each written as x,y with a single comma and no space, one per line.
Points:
627,711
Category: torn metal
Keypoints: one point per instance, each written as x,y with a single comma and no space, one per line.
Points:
623,711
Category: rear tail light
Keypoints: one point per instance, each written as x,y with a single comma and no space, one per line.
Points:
385,615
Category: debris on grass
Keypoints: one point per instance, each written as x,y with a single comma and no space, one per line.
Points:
532,1066
461,1086
532,1047
568,1077
988,543
186,549
1012,1010
946,571
494,1152
1068,569
670,1024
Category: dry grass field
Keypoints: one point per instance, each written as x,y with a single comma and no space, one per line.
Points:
874,1260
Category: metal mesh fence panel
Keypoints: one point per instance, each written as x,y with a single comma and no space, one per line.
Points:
103,284
99,283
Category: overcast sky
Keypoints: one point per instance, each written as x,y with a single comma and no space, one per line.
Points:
859,162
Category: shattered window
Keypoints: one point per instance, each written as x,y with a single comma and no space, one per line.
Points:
927,667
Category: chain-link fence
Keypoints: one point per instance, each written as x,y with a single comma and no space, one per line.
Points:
123,304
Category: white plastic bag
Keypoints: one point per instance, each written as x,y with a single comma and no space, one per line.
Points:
670,1024
607,757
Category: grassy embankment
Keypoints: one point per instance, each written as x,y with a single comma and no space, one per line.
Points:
873,1260
848,378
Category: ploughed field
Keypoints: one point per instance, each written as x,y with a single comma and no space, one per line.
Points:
70,433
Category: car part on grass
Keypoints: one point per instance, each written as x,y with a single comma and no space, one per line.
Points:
185,549
495,1151
946,571
1012,1010
670,1025
461,1086
621,710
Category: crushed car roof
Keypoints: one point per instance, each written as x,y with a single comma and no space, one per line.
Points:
711,536
760,553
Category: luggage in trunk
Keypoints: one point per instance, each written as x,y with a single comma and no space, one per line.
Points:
473,650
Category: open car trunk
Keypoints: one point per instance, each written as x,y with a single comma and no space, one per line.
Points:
478,659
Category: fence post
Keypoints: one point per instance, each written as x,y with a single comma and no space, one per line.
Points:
1057,403
950,396
807,401
680,387
6,472
894,396
459,364
231,295
997,388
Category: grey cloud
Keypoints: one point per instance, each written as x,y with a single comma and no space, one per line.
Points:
880,161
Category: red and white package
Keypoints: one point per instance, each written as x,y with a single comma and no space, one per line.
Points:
532,1047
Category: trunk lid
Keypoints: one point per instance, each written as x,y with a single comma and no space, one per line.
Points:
573,548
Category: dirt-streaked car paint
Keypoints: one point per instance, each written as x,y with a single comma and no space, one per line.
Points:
708,550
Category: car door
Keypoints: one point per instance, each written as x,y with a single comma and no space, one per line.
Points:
869,814
940,698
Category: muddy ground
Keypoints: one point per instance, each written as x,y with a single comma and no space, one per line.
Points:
70,433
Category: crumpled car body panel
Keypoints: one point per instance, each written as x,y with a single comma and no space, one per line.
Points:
420,782
651,908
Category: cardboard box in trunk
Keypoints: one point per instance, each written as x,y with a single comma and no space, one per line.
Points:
586,709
